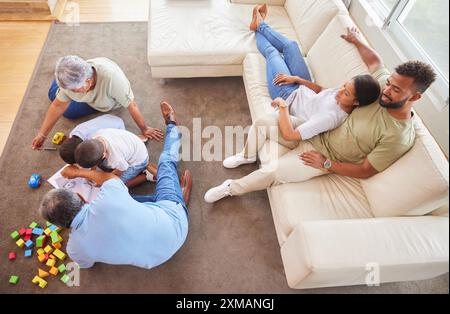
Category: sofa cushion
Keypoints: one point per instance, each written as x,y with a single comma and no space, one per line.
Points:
324,198
254,2
207,32
416,184
334,61
311,17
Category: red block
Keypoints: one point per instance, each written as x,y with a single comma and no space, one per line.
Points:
26,238
29,232
47,256
22,231
11,256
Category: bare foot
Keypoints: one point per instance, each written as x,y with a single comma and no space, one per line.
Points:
167,112
257,19
263,10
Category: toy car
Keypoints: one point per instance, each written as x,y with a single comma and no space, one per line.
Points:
35,181
58,138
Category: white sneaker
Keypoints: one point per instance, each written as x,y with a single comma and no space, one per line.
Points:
219,192
237,160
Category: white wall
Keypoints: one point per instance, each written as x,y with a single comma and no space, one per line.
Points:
437,121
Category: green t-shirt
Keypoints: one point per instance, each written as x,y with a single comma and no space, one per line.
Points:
112,89
369,132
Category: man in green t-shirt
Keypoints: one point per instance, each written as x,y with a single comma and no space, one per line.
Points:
82,87
369,141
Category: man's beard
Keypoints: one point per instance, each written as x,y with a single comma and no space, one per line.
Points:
393,105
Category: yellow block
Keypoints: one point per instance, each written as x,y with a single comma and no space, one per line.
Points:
36,279
52,256
48,249
50,262
48,231
42,283
42,273
54,271
59,254
41,258
40,251
20,243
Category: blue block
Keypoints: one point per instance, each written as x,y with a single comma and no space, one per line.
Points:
28,253
38,231
29,243
53,227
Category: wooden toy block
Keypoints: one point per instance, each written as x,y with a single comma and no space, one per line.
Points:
38,231
52,257
22,231
59,254
42,258
42,273
20,243
48,249
29,244
47,232
28,253
33,225
65,278
12,256
54,271
14,280
50,262
62,268
57,245
55,237
40,251
40,241
15,235
29,232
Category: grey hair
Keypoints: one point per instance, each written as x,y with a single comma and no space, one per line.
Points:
60,206
71,72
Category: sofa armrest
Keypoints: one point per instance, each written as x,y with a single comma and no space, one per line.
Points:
370,251
269,2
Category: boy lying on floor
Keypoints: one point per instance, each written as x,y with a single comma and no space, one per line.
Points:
87,130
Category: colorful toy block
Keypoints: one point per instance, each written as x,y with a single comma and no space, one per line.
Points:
28,253
62,268
42,273
47,232
20,243
48,223
29,232
42,258
54,271
12,256
55,237
59,254
27,238
40,241
40,251
41,282
14,280
38,231
52,257
29,244
15,235
33,225
48,249
65,278
22,231
57,245
50,262
53,227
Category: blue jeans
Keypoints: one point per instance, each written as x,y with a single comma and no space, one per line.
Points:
76,109
133,171
283,56
167,184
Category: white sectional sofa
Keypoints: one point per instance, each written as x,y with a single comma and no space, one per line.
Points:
332,230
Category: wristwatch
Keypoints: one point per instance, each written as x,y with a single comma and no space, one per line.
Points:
327,164
283,106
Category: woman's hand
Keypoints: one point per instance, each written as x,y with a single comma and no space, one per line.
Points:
70,172
313,159
284,79
153,134
277,102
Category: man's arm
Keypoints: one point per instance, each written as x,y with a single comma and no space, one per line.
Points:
98,177
54,112
363,171
370,57
151,133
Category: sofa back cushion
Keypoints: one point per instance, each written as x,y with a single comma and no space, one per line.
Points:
311,17
417,184
332,60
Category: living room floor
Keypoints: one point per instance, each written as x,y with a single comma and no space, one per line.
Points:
21,43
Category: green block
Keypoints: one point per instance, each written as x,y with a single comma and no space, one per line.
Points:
48,223
62,268
33,225
15,235
55,237
14,280
65,278
40,241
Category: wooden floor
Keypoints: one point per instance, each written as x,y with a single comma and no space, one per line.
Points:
21,43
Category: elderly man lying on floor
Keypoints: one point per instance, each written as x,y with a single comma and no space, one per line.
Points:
143,231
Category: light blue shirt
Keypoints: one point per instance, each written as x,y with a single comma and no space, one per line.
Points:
116,229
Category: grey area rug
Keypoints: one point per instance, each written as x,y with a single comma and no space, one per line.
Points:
231,246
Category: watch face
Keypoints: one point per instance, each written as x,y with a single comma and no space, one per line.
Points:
327,164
